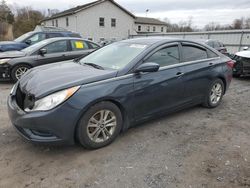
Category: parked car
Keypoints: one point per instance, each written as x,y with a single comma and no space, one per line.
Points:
14,64
115,87
242,63
219,46
33,37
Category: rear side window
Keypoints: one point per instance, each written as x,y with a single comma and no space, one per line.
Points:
53,35
57,47
76,35
193,53
211,54
92,45
166,56
77,45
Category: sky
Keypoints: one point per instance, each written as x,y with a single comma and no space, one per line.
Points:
201,11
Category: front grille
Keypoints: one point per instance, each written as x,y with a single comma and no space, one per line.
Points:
24,100
20,97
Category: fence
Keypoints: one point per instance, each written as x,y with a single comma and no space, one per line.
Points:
234,40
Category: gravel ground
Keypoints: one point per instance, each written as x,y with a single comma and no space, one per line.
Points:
194,148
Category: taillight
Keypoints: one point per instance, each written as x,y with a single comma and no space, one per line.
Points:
230,64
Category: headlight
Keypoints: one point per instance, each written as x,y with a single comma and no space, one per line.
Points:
2,61
53,100
12,89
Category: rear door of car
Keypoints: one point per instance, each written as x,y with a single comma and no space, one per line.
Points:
159,91
79,48
198,64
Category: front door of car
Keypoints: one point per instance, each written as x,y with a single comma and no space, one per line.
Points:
160,91
55,52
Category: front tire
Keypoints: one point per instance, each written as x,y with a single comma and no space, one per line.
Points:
99,126
215,94
18,71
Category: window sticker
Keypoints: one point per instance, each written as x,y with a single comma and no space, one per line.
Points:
140,46
79,45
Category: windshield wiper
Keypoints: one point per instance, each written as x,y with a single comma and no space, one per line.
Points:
94,65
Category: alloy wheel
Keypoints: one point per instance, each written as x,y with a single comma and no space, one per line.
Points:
20,71
101,126
216,93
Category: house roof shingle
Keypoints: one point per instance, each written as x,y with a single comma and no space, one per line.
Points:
85,6
146,20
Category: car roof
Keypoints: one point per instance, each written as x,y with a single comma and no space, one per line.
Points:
66,38
158,40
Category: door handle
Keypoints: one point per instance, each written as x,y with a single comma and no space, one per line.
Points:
179,74
211,64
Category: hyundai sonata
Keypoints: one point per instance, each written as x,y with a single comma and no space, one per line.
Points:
95,98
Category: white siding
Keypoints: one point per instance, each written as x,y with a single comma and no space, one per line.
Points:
144,28
86,22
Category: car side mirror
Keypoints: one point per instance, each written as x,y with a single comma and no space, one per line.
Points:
42,51
28,42
147,67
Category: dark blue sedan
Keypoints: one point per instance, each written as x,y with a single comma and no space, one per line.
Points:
95,98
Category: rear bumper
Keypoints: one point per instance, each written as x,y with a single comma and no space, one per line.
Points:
56,126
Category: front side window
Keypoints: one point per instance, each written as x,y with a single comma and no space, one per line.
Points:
113,22
36,38
77,45
101,22
57,47
114,56
166,56
193,53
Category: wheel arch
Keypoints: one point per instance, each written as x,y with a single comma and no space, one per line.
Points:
224,82
124,113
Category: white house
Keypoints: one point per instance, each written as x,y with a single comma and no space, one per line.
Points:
145,25
103,20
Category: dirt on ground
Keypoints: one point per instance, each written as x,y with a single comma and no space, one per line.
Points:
194,148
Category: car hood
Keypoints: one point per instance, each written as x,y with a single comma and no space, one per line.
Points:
12,54
245,54
44,80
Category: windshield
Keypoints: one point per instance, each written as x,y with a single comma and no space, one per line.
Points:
23,37
35,46
114,56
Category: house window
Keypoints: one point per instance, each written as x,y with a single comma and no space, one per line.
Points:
148,28
56,23
101,22
53,23
67,22
162,29
154,28
113,22
139,28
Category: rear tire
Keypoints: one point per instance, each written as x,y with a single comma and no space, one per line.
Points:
18,71
214,94
99,126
